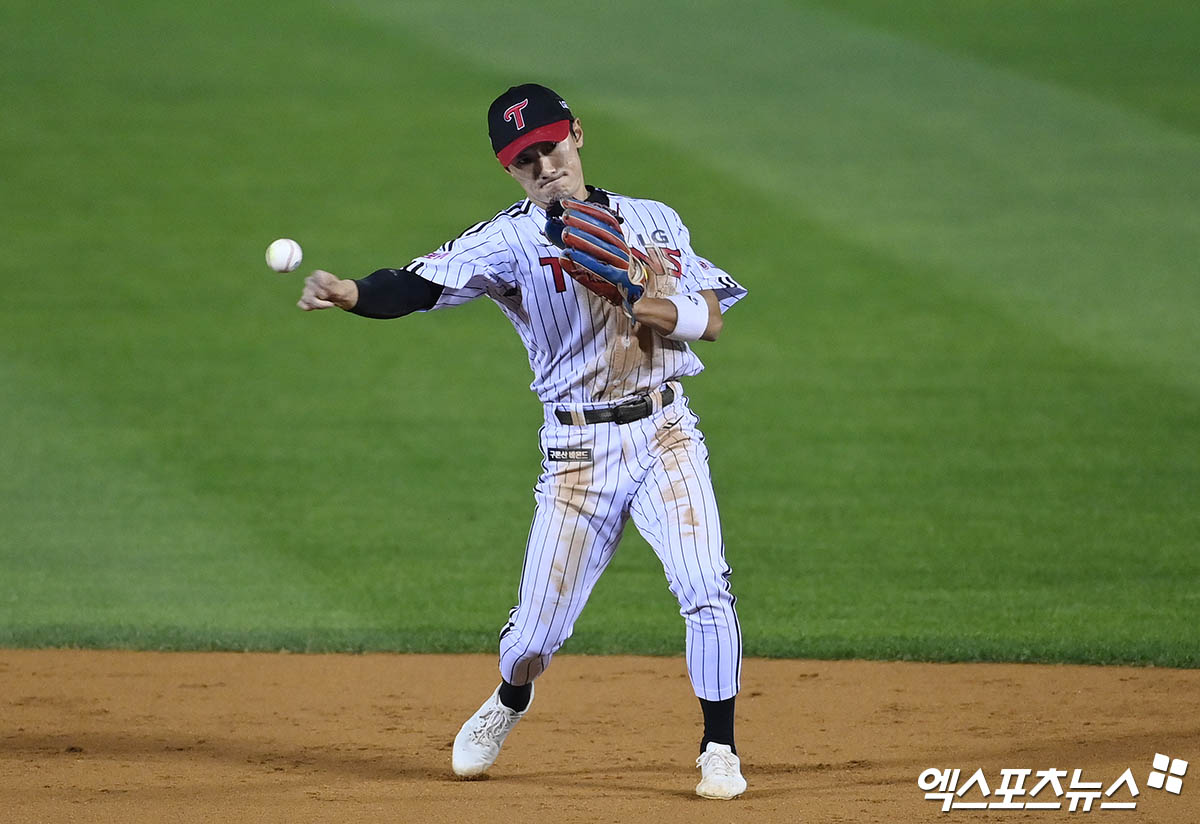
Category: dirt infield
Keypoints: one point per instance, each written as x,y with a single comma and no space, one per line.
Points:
156,737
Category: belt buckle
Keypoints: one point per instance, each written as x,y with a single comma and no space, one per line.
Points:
631,410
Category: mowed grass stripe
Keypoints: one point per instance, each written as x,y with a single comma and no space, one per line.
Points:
1052,204
100,527
1141,56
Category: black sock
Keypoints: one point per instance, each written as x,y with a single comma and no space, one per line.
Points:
718,723
515,698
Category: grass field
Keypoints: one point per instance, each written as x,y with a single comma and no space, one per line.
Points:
956,418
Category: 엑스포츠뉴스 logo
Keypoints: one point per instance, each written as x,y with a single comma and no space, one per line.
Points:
1047,790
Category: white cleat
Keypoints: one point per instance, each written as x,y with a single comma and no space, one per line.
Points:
477,745
720,773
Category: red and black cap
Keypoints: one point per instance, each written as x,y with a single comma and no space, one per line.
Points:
525,115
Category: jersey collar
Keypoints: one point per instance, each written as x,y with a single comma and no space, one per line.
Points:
595,195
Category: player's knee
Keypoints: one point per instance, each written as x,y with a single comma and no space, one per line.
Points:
524,651
708,591
709,601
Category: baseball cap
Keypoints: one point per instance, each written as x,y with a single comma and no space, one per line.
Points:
525,115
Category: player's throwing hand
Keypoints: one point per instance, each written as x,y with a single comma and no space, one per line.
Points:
324,290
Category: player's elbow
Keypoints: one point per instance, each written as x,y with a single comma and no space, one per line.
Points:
716,322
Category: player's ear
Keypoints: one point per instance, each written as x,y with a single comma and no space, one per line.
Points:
577,133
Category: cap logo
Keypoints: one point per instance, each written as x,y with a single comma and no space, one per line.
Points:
513,113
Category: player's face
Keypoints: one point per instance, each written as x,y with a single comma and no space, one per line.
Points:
551,171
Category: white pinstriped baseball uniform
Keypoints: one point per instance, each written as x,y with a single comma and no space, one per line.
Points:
584,353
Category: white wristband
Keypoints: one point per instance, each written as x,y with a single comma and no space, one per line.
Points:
692,320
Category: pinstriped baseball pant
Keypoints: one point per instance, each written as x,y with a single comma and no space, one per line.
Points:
656,471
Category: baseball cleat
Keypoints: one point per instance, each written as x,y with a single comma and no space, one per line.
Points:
478,743
720,773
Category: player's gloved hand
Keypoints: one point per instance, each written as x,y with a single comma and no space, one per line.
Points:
595,252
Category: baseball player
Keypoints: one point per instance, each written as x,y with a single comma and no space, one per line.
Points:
606,294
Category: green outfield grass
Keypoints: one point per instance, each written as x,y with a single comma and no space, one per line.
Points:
957,418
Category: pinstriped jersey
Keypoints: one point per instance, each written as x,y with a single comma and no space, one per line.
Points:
581,348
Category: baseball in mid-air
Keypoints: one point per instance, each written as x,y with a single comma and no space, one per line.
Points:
284,255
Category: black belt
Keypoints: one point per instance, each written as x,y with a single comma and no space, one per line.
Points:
627,412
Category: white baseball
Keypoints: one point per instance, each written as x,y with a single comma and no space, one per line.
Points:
284,255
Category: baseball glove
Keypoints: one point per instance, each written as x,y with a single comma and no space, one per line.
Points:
595,252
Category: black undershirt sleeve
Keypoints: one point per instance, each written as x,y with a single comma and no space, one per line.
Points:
394,293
